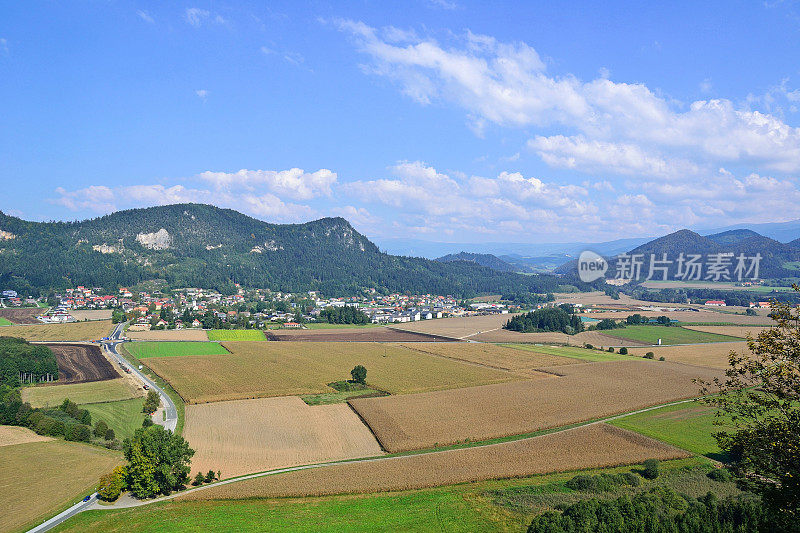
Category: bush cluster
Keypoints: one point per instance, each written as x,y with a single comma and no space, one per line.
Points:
603,482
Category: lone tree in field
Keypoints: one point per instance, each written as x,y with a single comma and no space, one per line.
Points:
761,397
359,374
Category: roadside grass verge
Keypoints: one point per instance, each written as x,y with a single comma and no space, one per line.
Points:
236,335
571,351
180,405
143,350
5,322
667,334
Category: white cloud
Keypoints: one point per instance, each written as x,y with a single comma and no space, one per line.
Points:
593,156
442,4
4,46
507,84
196,16
202,94
145,16
96,198
294,183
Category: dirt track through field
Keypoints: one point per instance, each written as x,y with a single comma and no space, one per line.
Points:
79,363
585,392
245,436
593,446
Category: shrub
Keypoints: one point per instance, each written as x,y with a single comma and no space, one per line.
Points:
720,474
210,476
78,433
151,403
610,349
112,484
649,355
662,358
602,482
199,479
147,422
100,429
623,351
650,469
588,346
110,435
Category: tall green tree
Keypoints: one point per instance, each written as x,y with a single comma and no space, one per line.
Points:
158,461
760,395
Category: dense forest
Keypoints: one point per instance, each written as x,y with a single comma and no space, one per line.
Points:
196,245
33,361
547,319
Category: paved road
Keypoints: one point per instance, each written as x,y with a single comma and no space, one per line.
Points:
69,513
171,420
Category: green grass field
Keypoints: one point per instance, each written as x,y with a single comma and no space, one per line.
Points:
687,425
236,335
667,334
501,505
91,392
571,351
5,322
124,416
143,350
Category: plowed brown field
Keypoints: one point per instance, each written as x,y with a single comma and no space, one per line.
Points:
78,363
593,446
245,436
21,315
585,392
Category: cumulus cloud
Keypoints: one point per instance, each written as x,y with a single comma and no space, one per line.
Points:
201,94
508,84
294,183
259,193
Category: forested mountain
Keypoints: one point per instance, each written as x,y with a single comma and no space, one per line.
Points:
200,245
487,260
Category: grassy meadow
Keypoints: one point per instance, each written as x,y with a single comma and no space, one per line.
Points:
143,350
123,416
571,351
667,334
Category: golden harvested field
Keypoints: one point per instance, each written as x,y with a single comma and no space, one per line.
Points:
11,435
88,392
246,436
91,314
264,369
38,479
584,392
593,446
518,361
507,336
711,355
734,331
73,331
456,327
168,335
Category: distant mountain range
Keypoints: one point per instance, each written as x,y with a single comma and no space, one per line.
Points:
196,245
737,241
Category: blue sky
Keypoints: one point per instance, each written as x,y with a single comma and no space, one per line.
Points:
441,120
